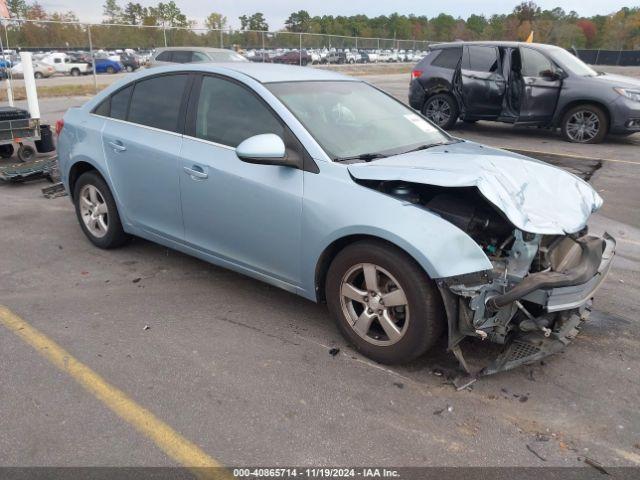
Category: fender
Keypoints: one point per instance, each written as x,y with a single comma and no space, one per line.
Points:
440,248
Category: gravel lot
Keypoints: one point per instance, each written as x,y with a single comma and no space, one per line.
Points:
243,370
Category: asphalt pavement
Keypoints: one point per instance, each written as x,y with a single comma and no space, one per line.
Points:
243,371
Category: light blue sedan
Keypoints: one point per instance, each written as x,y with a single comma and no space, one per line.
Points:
327,187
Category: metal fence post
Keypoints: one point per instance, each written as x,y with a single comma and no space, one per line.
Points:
164,33
300,50
93,59
221,40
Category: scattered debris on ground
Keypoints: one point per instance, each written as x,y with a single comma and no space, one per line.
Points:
40,167
595,464
530,448
54,191
448,409
136,280
146,327
334,351
399,384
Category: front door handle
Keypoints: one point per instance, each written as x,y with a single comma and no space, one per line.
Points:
117,146
196,172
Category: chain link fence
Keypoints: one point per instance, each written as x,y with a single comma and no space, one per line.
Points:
47,35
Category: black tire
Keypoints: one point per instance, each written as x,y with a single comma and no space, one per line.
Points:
441,121
129,68
6,151
75,72
304,62
26,153
426,320
111,70
115,235
591,111
38,75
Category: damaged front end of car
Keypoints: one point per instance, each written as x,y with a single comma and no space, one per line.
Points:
530,221
533,302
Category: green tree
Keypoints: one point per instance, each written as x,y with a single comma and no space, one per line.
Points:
111,11
134,14
216,21
17,8
298,21
476,24
253,22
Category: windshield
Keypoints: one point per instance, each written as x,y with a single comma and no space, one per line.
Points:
572,63
349,119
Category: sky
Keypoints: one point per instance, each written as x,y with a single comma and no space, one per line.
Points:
277,11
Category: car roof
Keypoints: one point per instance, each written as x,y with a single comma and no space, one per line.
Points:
492,44
261,72
199,49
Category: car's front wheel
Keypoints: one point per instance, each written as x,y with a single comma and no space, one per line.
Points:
383,302
97,212
585,124
442,109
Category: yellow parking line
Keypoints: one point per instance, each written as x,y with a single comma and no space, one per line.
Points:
168,440
568,155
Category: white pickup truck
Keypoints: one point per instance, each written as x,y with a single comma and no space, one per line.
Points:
63,64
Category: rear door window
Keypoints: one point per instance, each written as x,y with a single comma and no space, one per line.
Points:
120,103
156,102
164,56
481,59
448,58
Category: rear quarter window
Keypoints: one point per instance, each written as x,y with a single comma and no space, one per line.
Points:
448,58
155,102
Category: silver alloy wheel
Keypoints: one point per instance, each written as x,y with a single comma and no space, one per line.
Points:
583,126
94,211
374,304
438,110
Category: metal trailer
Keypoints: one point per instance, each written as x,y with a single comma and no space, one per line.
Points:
17,132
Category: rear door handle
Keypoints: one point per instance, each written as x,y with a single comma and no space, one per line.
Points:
117,146
196,172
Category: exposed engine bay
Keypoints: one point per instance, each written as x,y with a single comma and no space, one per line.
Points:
539,291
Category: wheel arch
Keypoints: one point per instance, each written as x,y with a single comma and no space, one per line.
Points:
575,103
77,169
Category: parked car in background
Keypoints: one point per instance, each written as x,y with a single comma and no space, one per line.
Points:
294,57
40,70
524,84
325,186
106,65
167,56
67,65
130,62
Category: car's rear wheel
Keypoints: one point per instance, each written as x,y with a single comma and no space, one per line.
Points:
585,124
111,70
383,303
441,109
129,68
97,212
38,75
75,72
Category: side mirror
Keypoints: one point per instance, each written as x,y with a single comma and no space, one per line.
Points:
265,149
551,75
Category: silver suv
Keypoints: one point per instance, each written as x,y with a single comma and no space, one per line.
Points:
171,55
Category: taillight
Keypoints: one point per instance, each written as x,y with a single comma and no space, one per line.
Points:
59,126
416,74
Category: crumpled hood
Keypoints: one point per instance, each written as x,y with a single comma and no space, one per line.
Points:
534,196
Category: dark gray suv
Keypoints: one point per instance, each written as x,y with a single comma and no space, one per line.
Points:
524,84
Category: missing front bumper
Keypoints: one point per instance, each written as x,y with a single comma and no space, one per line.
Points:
565,309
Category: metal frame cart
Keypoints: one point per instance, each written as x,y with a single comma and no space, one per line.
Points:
16,132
